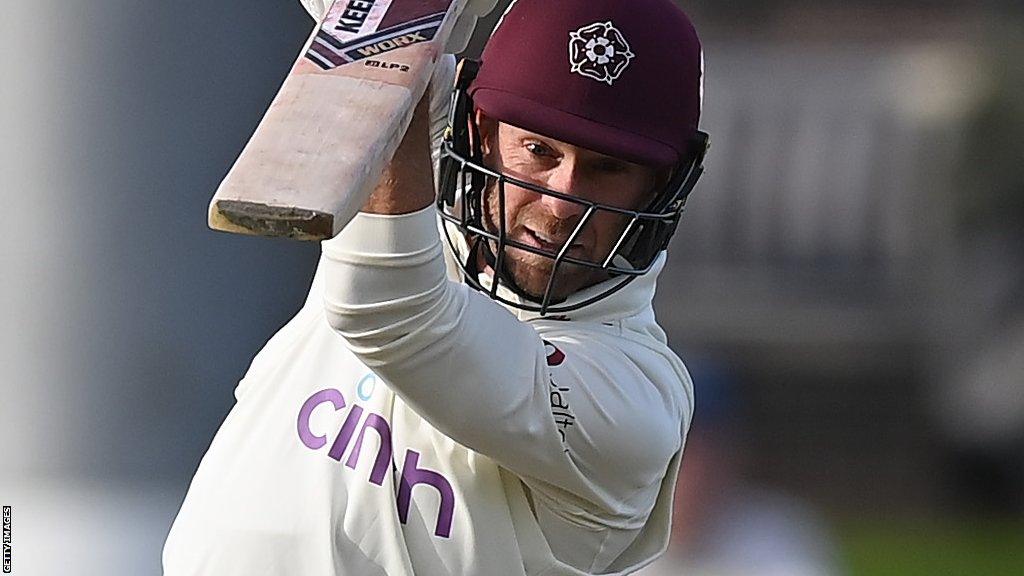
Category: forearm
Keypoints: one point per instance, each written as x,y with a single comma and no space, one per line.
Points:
407,183
387,293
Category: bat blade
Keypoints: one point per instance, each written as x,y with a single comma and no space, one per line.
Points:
334,125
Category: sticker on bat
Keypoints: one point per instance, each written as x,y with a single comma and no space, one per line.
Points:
350,31
386,65
347,20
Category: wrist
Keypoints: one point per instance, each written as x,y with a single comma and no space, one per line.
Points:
407,183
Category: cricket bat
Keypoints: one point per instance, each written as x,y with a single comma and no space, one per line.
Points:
334,125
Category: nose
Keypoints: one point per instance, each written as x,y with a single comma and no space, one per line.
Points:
565,179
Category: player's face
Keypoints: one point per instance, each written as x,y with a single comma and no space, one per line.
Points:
546,222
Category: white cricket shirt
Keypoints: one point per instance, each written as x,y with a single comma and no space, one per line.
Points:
402,423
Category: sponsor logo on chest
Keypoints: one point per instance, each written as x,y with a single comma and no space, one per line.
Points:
348,439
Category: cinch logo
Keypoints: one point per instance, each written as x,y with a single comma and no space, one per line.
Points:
412,474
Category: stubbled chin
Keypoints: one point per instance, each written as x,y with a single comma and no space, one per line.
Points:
531,273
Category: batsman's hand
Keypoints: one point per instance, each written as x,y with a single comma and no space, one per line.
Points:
461,34
406,184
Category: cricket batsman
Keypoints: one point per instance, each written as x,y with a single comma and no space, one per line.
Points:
476,384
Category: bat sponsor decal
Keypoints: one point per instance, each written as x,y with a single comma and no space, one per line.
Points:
359,29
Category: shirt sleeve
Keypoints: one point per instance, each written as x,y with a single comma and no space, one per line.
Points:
588,420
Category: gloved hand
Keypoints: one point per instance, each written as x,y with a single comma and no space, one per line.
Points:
461,34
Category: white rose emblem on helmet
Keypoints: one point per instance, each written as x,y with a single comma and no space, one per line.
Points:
599,51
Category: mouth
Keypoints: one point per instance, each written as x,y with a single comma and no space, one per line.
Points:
537,240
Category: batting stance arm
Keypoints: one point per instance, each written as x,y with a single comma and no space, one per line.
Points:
591,435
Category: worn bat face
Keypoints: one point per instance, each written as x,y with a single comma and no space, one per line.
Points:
337,120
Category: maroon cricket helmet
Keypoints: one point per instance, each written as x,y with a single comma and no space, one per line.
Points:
620,77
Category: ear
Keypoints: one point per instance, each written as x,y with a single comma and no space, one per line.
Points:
487,127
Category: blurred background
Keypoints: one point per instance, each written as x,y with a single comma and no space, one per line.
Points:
847,285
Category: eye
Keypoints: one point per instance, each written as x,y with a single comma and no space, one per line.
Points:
539,149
